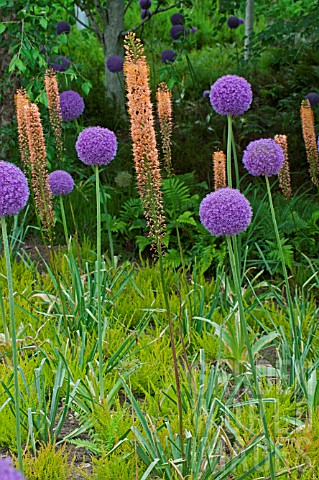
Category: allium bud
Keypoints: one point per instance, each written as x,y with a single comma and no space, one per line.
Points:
62,27
231,95
7,472
60,182
225,212
61,64
72,105
313,98
177,19
168,56
145,13
14,190
145,4
263,157
233,22
177,31
96,146
115,63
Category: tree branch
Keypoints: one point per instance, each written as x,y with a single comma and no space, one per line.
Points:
158,10
129,3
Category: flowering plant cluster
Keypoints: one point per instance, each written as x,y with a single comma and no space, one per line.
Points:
7,472
72,105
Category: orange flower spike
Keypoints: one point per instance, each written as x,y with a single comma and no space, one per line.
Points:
21,101
39,173
219,167
145,152
309,135
53,96
284,172
164,111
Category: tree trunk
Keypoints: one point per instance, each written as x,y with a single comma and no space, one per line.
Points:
249,27
113,45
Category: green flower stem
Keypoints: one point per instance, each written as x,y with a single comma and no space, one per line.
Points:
173,347
14,341
229,142
65,227
293,327
235,161
244,330
109,232
3,315
98,280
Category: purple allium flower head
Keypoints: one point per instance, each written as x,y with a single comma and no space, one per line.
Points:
225,212
192,30
7,472
206,94
96,146
61,64
177,19
177,31
14,190
60,182
72,105
313,98
241,21
263,157
62,27
145,4
168,56
231,95
145,13
233,22
115,63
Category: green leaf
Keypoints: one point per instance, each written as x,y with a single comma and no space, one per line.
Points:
171,83
186,217
86,87
3,26
44,23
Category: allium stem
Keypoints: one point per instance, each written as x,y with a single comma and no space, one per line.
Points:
65,227
3,315
98,280
293,328
229,140
13,340
235,161
244,330
173,347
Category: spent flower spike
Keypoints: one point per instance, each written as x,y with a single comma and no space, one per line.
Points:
284,172
225,212
309,136
71,104
60,182
263,157
231,95
14,190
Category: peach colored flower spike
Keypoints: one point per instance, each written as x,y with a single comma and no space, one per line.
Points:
22,100
145,152
219,166
164,112
37,160
52,90
309,135
284,172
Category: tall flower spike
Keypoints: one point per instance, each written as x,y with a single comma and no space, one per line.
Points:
52,90
22,101
284,172
39,173
145,152
219,166
164,111
309,135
